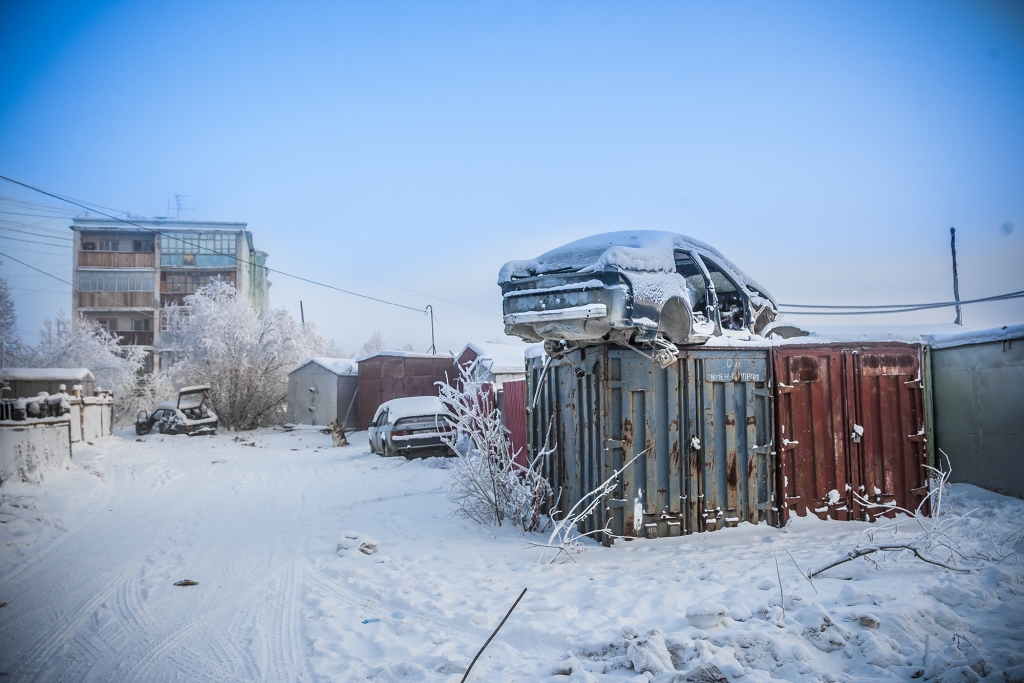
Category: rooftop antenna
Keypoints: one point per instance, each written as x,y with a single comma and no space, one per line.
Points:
956,279
179,205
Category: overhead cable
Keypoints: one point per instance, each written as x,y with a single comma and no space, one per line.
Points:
185,242
892,308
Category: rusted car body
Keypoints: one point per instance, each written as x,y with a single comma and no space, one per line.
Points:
702,429
190,414
630,287
851,430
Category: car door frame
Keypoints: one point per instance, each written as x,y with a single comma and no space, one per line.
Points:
744,295
374,431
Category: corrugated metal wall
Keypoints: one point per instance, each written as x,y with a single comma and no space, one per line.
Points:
384,377
850,419
702,429
978,392
513,412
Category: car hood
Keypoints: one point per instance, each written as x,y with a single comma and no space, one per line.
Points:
648,251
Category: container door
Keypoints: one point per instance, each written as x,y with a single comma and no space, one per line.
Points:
729,439
885,427
811,428
643,411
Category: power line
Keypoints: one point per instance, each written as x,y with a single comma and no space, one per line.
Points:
48,244
894,308
78,289
233,256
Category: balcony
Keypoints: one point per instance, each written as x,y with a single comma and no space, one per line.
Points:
116,259
135,338
115,299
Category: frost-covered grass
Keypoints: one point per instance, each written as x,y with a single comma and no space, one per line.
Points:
88,559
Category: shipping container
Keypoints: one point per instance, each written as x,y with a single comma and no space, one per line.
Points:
695,438
399,374
978,393
850,425
513,414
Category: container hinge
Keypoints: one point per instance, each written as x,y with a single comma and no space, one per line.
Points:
784,388
764,506
914,384
761,450
788,445
763,392
612,443
616,503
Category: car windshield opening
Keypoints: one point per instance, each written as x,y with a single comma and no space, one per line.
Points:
696,285
730,300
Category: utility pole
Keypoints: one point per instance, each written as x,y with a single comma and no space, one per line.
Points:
430,309
956,279
302,313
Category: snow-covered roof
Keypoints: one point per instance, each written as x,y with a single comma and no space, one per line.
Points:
405,354
499,358
339,366
963,337
632,250
48,374
939,336
412,406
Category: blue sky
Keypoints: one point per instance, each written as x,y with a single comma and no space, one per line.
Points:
826,148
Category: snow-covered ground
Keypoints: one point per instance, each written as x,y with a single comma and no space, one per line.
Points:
88,561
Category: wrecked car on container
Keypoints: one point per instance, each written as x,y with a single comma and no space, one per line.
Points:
635,287
190,414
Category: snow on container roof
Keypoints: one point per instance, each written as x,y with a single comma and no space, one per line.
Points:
48,374
964,337
631,250
825,334
406,354
339,366
412,406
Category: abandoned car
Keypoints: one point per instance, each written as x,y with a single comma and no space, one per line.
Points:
644,286
190,414
412,426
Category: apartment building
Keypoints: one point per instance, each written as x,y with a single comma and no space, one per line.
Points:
125,275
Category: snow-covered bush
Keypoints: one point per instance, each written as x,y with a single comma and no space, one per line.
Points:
220,340
114,366
489,486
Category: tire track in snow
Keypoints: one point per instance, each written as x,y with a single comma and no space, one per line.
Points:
536,645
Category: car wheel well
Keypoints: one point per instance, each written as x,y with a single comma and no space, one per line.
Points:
675,322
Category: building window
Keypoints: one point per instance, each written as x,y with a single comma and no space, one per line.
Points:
142,245
198,243
115,280
108,324
142,324
108,245
187,282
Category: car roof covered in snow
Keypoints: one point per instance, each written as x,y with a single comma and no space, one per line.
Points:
47,374
339,366
411,406
632,250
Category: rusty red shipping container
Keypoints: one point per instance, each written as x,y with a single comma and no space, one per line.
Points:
514,414
398,374
850,420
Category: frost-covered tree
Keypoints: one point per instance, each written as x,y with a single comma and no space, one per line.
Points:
8,322
374,344
114,366
245,358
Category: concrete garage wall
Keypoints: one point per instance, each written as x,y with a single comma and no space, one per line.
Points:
30,447
978,394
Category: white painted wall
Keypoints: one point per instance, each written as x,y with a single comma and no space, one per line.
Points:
28,448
